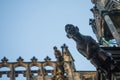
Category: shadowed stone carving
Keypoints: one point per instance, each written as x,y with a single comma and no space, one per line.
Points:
90,49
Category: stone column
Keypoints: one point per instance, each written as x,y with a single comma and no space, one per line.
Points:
12,75
28,72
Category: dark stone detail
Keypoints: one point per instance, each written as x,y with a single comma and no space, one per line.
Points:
64,46
47,58
90,49
20,59
34,59
4,59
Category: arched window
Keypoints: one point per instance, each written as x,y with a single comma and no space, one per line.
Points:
34,70
4,70
4,77
49,70
19,71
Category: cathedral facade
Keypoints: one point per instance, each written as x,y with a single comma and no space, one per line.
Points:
61,69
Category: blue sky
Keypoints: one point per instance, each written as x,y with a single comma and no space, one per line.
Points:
33,27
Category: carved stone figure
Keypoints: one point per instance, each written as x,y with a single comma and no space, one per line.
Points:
59,66
90,49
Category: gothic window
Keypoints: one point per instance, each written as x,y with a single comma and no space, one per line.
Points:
20,73
35,70
4,76
49,70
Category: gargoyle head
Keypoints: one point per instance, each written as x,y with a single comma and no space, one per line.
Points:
71,30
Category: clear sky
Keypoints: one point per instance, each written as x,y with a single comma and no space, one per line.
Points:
33,27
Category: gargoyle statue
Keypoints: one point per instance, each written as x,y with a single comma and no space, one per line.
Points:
90,49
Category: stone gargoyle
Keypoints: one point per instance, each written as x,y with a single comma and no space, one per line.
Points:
90,49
